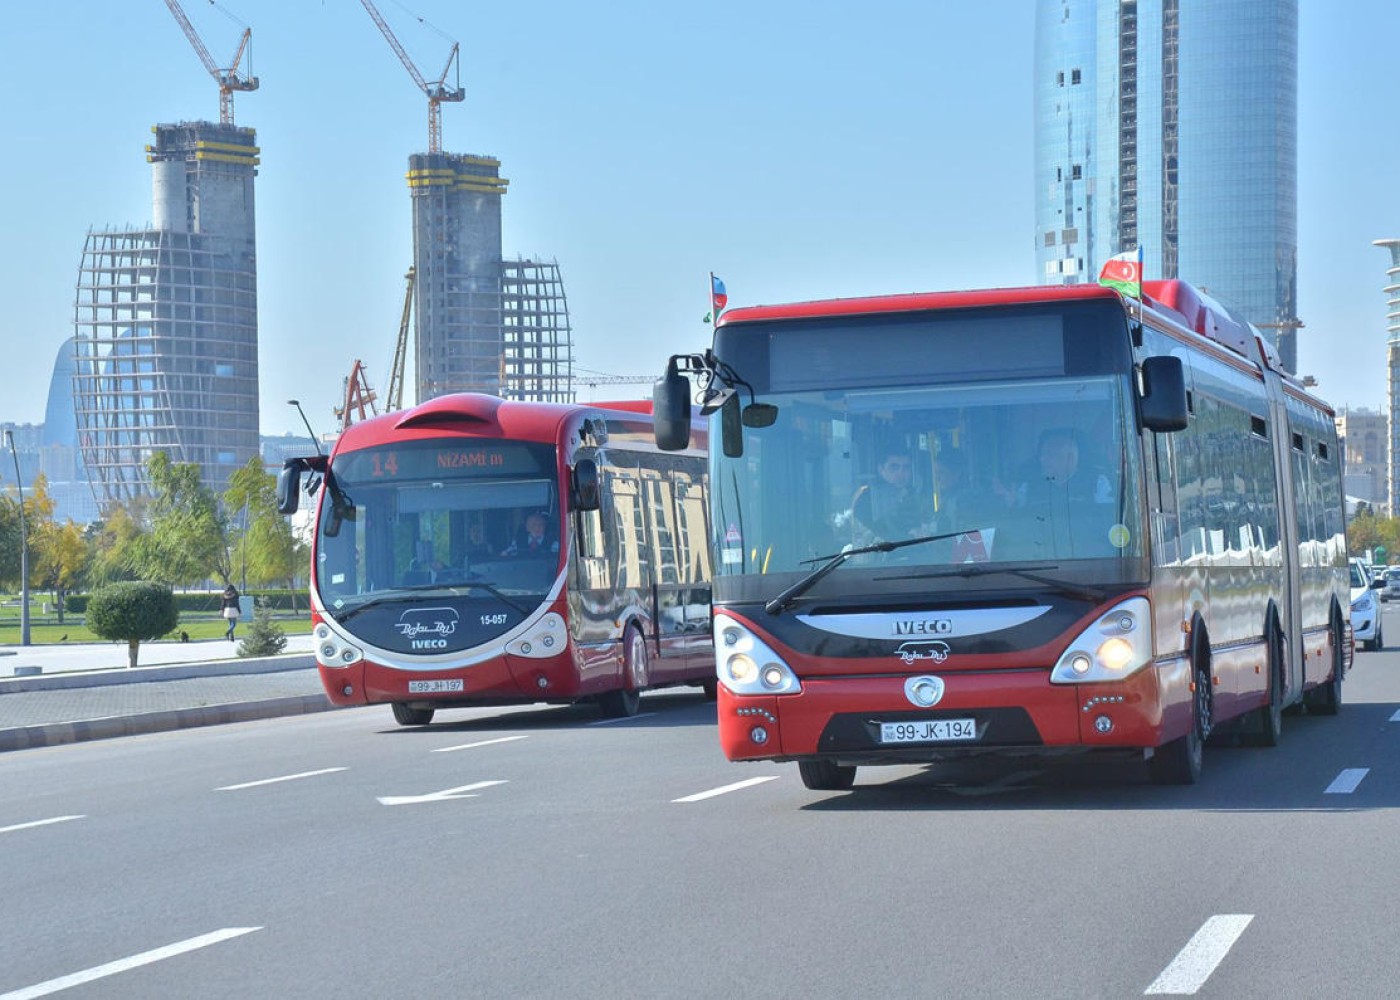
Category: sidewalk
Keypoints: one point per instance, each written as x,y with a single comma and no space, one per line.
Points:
70,692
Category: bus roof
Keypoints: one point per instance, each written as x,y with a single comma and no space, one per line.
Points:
475,412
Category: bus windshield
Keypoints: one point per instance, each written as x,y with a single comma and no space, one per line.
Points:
1031,472
472,518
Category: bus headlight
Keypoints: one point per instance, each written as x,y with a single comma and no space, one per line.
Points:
1115,646
333,651
748,665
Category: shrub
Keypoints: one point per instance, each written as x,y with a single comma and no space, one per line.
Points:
132,611
265,637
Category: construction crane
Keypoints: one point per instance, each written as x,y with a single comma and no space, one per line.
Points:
394,398
594,380
229,79
437,91
359,397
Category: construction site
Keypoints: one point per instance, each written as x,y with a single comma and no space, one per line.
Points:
166,317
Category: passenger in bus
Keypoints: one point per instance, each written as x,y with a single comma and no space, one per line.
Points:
1058,475
533,539
890,508
476,547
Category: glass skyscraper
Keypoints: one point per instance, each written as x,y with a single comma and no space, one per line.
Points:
1172,124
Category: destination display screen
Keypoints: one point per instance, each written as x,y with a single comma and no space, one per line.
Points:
444,459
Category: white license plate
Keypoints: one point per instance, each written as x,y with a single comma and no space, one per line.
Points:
928,731
434,687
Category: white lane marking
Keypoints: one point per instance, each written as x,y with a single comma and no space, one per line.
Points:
1395,717
483,743
625,718
442,796
38,822
1346,782
1193,965
123,964
285,777
728,788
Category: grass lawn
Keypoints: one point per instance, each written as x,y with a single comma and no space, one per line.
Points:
45,630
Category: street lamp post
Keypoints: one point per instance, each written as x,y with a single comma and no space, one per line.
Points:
23,549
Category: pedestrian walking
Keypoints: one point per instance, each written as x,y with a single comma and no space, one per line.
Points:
231,609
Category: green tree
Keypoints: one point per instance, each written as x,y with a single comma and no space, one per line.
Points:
187,541
265,637
132,612
265,551
111,544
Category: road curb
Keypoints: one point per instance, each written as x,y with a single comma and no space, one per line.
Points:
108,676
58,733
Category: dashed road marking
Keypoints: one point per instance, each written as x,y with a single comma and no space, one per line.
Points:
446,795
123,964
274,781
1194,964
1346,782
482,743
1395,717
728,788
38,822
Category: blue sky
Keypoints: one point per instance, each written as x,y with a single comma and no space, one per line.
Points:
797,149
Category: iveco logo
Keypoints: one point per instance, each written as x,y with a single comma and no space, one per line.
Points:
924,626
440,622
429,643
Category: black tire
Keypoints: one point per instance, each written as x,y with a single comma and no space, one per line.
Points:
624,702
1269,718
824,776
407,715
710,688
1379,642
1180,761
1326,698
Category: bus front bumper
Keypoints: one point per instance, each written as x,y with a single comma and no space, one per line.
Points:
1011,711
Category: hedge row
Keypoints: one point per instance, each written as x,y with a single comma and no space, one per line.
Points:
210,602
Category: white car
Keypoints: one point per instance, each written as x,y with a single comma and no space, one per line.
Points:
1365,609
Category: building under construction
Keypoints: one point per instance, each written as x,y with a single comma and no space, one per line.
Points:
166,346
483,324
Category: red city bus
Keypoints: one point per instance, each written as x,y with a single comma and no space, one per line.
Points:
473,551
1030,521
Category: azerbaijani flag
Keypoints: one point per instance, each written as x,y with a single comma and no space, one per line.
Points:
1124,273
719,298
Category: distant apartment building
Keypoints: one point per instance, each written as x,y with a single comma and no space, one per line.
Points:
1392,353
482,323
1364,435
166,320
1172,124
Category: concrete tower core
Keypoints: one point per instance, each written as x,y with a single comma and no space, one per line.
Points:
166,319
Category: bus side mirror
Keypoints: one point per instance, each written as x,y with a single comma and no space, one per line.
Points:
760,415
288,486
731,428
586,485
670,409
1162,400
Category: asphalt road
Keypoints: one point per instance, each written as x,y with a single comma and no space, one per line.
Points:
545,852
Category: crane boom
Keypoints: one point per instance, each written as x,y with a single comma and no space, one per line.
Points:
394,400
436,92
227,79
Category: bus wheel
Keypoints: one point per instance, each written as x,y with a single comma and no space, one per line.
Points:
624,702
1270,717
1179,762
406,715
824,776
710,688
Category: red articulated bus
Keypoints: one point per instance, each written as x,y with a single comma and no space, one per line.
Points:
477,551
1030,521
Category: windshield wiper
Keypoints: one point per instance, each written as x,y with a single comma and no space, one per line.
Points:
967,570
404,595
780,603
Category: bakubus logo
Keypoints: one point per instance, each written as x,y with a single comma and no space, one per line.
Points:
427,628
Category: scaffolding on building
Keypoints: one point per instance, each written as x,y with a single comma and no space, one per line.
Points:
537,346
